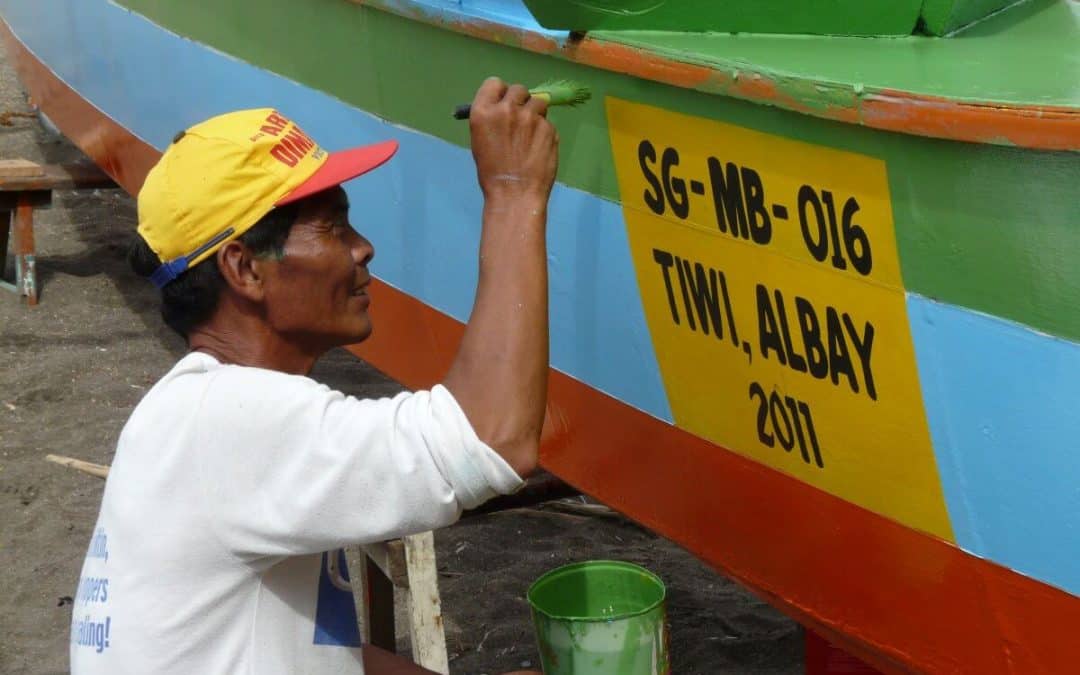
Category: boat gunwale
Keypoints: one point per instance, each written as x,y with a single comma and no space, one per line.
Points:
1037,127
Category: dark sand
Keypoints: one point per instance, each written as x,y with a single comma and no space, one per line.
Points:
72,369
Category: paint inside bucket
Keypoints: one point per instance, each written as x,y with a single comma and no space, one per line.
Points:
600,618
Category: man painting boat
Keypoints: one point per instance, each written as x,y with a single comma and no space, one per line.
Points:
236,473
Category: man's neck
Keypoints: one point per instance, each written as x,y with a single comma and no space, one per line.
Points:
244,339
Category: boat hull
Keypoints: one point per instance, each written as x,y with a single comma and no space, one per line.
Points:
938,558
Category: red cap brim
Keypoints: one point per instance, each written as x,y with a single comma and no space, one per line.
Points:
342,166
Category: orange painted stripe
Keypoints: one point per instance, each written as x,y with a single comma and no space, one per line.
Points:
1038,127
899,599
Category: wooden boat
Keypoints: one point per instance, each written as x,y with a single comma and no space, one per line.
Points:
814,298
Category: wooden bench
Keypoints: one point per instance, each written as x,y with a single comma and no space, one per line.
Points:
24,187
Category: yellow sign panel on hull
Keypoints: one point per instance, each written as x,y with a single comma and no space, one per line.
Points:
771,284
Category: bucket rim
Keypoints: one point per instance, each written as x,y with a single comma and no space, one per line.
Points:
600,619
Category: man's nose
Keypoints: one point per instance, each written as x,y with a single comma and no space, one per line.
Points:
362,250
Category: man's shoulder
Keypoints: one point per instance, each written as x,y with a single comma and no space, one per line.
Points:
198,385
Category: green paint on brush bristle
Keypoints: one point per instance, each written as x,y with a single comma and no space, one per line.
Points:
555,92
562,92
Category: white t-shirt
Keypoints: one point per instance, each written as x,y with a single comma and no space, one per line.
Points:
228,487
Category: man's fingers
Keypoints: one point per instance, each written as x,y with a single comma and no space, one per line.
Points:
517,94
537,105
491,91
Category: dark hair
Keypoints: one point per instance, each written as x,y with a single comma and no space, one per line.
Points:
191,298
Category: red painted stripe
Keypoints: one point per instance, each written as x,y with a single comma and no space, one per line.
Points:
899,599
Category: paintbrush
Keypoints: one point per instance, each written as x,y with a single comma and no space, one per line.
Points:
555,92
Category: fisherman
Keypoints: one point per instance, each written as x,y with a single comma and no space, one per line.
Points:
237,479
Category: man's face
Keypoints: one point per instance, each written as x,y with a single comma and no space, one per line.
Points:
317,293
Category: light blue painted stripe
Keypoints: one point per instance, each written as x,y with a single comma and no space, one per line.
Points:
512,13
1003,403
422,210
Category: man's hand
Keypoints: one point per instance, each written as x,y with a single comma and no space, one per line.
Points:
499,376
513,143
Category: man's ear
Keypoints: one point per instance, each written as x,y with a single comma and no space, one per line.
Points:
242,271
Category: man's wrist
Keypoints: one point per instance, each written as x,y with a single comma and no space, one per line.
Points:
518,201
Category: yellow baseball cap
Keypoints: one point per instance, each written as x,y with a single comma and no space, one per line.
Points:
221,176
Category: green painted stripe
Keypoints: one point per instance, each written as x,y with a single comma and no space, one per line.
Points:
993,228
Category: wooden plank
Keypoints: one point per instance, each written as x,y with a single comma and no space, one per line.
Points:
20,168
425,608
57,177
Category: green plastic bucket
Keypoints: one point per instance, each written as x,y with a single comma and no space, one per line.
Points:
600,617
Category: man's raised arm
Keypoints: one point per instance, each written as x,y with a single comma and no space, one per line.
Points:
499,376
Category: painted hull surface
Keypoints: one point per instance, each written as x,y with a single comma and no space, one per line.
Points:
824,338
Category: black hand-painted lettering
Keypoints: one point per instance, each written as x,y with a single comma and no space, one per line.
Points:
793,406
812,433
816,358
655,199
664,259
839,358
757,215
864,344
788,421
794,358
728,198
730,313
814,235
768,332
830,208
674,188
822,228
702,286
762,414
685,294
856,242
783,433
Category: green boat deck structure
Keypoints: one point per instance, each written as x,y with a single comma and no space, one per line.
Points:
841,17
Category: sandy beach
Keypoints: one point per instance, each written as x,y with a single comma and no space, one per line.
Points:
72,369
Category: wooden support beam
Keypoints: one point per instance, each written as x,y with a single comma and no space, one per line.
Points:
6,219
25,259
425,607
